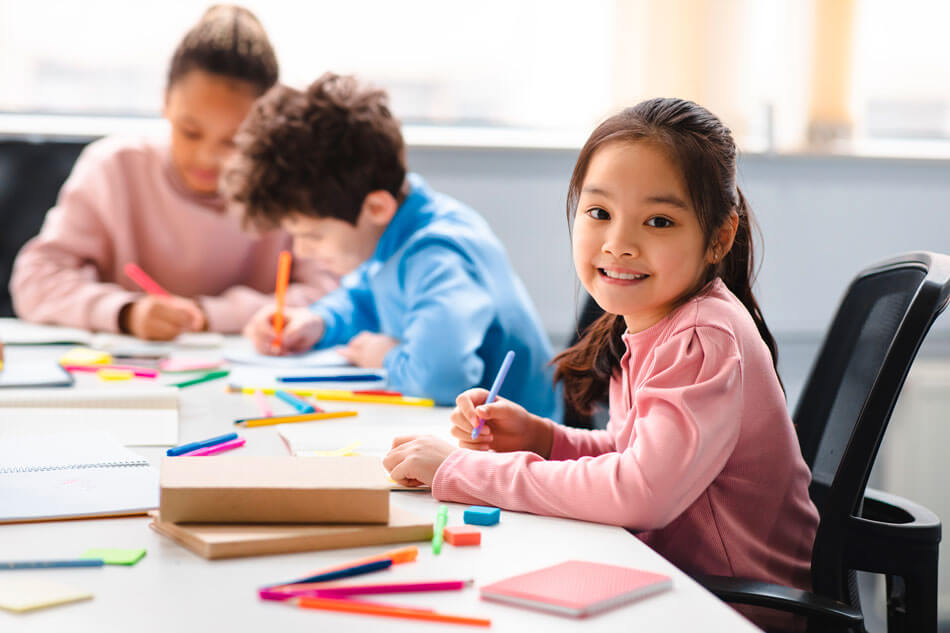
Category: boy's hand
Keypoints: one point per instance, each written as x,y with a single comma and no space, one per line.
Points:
367,349
302,330
414,459
508,426
158,318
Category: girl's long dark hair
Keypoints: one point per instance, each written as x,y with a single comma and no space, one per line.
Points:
704,150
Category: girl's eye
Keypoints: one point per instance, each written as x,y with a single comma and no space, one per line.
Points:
598,214
660,222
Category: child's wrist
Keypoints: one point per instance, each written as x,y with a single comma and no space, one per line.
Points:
543,437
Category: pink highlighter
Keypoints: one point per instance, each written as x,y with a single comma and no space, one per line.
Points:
217,448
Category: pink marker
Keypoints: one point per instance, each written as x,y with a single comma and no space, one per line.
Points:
146,283
344,591
141,372
217,448
262,403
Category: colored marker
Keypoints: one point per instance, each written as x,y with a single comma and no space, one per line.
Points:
262,403
390,587
280,292
440,520
338,378
397,556
373,608
495,388
143,281
45,564
217,448
346,572
211,375
302,406
141,372
194,446
289,419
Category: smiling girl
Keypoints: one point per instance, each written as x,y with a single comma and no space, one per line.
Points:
154,202
699,458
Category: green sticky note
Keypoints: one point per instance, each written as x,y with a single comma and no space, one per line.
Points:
116,556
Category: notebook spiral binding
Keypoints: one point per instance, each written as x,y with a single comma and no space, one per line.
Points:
37,469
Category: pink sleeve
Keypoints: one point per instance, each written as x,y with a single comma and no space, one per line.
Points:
56,276
232,309
686,425
570,443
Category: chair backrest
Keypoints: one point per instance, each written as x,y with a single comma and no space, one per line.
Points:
850,394
31,174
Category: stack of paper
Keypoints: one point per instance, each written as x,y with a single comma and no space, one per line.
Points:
137,416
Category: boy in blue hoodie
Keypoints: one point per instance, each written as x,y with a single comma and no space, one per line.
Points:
429,294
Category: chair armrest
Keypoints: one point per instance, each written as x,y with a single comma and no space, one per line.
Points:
888,509
764,594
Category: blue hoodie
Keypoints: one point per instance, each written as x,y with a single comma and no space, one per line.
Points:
440,282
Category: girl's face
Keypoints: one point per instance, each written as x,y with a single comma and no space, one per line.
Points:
205,111
638,246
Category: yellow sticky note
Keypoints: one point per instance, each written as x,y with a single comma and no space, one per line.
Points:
85,356
27,594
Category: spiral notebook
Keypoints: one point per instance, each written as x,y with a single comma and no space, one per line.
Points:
71,476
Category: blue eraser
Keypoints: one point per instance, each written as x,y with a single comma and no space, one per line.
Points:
481,515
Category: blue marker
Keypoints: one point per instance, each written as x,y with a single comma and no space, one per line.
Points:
346,572
495,388
325,378
302,406
45,564
193,446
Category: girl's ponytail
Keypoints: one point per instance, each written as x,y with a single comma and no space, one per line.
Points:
587,366
737,271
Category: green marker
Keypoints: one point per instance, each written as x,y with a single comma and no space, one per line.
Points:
211,375
440,520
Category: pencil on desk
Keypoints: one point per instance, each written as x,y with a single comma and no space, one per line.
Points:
262,403
288,419
217,448
339,395
397,556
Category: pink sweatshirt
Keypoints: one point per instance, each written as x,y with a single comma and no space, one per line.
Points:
699,456
125,202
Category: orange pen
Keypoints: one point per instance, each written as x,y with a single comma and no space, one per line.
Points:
371,608
280,291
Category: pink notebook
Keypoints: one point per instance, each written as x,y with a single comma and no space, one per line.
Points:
576,587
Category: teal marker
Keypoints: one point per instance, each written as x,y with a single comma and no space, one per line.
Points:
440,520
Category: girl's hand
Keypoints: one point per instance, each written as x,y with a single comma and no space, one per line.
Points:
508,426
367,349
302,330
414,459
158,318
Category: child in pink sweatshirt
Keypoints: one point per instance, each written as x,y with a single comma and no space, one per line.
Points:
155,203
700,457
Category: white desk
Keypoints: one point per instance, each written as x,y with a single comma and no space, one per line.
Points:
172,589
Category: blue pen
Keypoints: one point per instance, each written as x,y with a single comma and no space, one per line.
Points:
302,406
495,388
339,378
44,564
193,446
356,570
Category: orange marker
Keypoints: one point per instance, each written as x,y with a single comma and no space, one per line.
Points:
146,283
370,608
280,291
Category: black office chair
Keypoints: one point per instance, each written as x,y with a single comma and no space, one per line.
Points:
31,174
841,418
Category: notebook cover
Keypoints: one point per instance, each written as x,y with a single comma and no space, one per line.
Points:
271,489
576,588
214,541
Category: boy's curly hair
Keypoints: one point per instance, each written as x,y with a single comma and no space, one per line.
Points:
317,153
